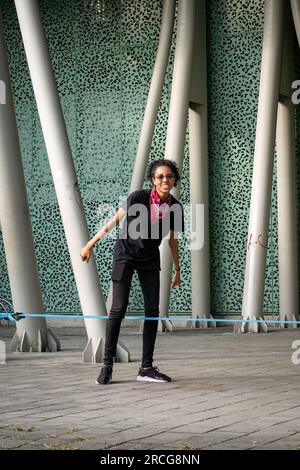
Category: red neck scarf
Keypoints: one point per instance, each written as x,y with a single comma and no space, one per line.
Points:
158,210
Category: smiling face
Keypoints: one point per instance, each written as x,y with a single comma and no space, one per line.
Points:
163,180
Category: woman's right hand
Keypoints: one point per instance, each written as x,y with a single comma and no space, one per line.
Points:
86,253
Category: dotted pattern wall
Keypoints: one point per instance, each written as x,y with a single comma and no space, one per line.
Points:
103,71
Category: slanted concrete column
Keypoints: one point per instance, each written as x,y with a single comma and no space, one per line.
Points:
64,176
198,141
31,333
286,184
177,122
263,166
287,213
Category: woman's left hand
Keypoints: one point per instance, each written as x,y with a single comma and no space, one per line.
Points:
176,279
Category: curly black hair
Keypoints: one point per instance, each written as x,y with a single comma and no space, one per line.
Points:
163,162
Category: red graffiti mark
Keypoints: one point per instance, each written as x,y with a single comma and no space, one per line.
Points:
249,242
259,240
255,242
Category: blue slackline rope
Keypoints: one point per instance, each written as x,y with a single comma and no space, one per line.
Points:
11,316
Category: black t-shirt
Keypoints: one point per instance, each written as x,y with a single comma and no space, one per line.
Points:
139,240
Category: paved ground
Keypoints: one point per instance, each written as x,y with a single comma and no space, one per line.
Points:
230,391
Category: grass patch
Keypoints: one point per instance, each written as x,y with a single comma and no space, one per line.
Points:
186,447
20,429
47,446
71,429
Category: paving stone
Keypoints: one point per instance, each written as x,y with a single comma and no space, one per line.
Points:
214,403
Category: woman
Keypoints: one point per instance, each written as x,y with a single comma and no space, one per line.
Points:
150,216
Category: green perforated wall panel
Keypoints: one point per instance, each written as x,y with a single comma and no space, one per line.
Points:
103,70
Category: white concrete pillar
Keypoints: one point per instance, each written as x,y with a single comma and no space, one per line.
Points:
286,184
200,226
177,121
287,212
31,333
63,173
198,141
263,166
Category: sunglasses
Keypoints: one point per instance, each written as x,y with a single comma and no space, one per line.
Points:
170,176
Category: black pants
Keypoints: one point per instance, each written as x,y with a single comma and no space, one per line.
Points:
149,280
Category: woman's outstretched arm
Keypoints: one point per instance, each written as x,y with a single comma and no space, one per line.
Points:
86,251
